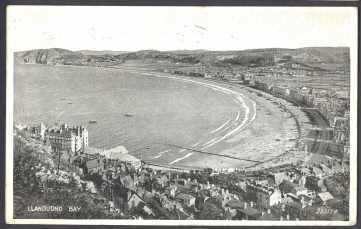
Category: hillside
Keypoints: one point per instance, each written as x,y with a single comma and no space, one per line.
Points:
99,53
323,57
49,56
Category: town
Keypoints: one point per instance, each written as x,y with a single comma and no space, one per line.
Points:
129,188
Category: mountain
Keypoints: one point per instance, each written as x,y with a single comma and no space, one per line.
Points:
321,57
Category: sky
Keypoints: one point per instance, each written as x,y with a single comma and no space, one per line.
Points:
178,28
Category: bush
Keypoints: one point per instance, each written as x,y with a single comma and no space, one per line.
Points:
31,192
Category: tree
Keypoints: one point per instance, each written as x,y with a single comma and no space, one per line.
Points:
211,212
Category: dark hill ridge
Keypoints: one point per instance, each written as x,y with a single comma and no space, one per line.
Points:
253,57
49,56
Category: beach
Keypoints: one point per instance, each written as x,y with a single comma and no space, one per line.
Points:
158,117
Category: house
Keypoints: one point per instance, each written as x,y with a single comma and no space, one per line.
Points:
38,131
162,180
293,208
300,190
302,181
324,197
147,196
305,171
148,210
248,212
312,183
186,199
242,185
94,165
318,172
268,215
318,102
235,204
229,213
280,91
287,187
261,86
321,185
296,95
264,196
306,200
134,200
279,177
327,171
340,129
336,167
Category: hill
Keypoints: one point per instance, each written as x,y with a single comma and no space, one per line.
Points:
49,56
323,57
100,52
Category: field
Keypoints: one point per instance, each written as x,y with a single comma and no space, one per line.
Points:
149,112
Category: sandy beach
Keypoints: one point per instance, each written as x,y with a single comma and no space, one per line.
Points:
266,131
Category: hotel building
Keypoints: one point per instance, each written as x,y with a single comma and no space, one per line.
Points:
72,139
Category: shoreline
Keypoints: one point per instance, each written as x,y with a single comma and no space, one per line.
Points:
219,84
286,106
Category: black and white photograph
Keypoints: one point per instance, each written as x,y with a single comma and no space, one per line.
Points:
224,116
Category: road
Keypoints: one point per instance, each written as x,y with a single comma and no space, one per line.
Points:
318,139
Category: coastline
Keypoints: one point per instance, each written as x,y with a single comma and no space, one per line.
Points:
212,160
286,106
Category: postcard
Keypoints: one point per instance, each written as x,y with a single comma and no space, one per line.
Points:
181,115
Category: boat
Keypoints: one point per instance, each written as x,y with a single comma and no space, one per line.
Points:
93,121
128,115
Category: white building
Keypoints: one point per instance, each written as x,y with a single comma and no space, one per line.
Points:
72,139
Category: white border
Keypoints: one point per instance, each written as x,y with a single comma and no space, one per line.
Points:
9,163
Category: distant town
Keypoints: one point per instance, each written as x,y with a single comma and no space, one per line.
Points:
57,160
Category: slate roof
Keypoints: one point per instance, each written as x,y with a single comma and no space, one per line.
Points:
325,196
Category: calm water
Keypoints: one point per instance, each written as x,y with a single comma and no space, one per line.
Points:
133,110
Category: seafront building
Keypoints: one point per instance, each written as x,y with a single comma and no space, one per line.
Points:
38,131
71,139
